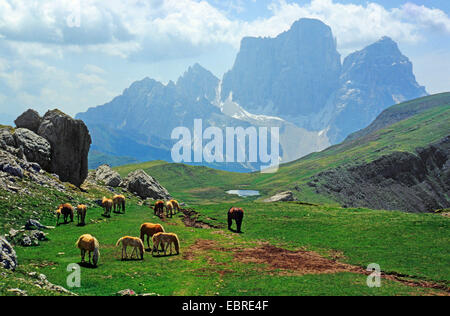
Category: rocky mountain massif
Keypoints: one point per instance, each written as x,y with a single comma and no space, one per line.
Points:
295,81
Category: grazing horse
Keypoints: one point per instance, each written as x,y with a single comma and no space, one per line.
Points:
134,242
90,244
169,209
119,203
149,229
238,215
107,205
176,206
81,214
66,210
159,208
166,240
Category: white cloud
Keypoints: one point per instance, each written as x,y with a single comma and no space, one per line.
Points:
50,62
158,29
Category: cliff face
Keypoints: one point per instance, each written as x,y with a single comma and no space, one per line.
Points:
292,74
401,181
372,79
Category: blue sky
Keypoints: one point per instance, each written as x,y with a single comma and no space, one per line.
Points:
75,54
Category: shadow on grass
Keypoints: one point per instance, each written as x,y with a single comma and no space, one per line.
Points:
87,265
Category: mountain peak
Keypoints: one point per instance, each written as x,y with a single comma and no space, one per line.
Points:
198,82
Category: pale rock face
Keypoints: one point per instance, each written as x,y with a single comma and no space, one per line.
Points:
108,176
290,75
145,186
372,80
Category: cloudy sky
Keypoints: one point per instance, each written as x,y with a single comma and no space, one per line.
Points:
75,54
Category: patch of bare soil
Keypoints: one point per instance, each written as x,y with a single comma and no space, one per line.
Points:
191,220
301,262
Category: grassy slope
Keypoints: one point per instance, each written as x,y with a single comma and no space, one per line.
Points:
415,245
406,135
208,185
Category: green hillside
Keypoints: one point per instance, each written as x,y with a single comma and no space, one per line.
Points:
429,125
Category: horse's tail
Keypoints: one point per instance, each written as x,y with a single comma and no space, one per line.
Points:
141,249
119,241
177,243
96,255
78,242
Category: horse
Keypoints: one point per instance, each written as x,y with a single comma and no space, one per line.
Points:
134,242
107,205
166,240
81,214
159,208
119,203
238,215
90,244
149,229
176,206
66,210
169,209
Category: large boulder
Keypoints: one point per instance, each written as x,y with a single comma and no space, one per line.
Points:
145,186
287,196
30,120
8,257
108,176
8,143
10,164
35,148
70,142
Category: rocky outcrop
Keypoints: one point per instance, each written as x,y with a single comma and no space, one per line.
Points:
30,120
27,145
35,148
145,186
70,142
107,176
287,196
8,257
400,181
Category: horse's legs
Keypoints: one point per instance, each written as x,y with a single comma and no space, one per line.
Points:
239,224
89,257
83,253
230,222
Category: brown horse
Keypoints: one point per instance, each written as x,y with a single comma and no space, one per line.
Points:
66,210
81,214
134,242
149,229
90,244
107,205
169,209
238,215
175,205
165,240
159,208
119,203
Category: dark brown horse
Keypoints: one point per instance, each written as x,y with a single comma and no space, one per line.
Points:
159,208
238,215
